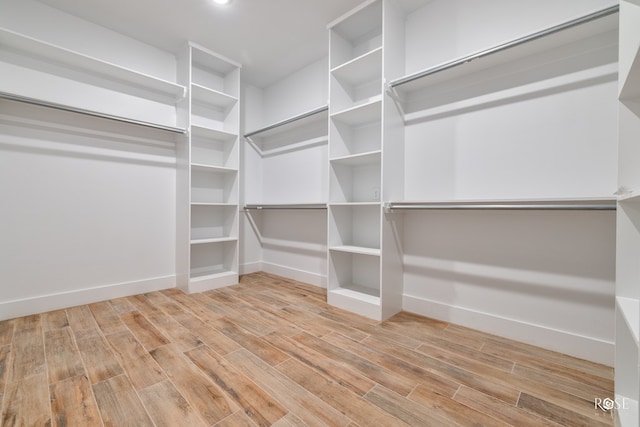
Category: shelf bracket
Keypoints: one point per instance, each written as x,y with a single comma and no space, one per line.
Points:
393,94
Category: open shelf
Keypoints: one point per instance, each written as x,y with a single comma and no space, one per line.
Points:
364,68
358,159
597,203
211,168
213,98
361,114
356,34
285,206
15,43
213,240
587,36
630,313
213,260
209,185
355,180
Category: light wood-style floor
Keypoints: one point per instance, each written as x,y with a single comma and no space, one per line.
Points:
270,351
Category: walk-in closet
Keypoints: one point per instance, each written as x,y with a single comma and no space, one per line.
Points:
330,212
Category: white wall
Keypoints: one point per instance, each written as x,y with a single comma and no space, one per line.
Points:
87,210
293,243
546,278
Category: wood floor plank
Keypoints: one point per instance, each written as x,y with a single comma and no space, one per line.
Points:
353,406
54,320
500,410
119,403
166,325
6,332
144,331
290,420
253,343
369,369
73,404
453,373
167,407
142,370
82,322
63,357
26,402
27,349
559,414
208,334
432,345
330,368
5,354
204,396
107,318
99,360
122,306
309,408
259,406
237,419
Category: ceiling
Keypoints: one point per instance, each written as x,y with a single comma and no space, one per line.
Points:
271,38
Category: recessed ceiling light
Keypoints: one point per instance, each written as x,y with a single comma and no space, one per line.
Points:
221,1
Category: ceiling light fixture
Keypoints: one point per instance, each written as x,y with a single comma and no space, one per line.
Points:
221,1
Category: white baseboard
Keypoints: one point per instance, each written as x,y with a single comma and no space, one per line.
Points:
251,267
583,347
292,273
44,303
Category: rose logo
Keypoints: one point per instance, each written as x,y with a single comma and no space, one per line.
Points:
608,404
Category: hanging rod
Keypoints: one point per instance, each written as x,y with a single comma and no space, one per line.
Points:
47,104
516,42
536,206
286,206
287,121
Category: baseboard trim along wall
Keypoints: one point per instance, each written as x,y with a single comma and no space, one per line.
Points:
44,303
252,267
565,342
295,274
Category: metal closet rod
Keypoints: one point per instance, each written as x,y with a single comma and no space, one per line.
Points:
551,206
285,206
287,121
551,30
47,104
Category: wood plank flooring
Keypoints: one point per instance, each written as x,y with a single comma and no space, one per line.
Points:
270,351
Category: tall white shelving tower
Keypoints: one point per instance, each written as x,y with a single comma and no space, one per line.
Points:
627,378
207,182
365,160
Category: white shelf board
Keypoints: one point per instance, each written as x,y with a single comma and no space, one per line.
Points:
210,168
569,203
356,250
508,52
361,114
203,95
28,46
212,204
213,240
205,274
207,132
358,159
360,70
299,121
354,204
360,293
205,58
630,309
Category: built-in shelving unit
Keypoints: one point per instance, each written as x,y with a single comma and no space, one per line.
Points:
208,174
40,72
358,229
627,360
554,46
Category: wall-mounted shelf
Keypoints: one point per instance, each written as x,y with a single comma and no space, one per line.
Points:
18,44
598,22
213,98
298,121
286,206
589,39
531,204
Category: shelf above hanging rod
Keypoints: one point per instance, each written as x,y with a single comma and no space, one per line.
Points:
502,47
535,205
47,104
288,121
287,206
